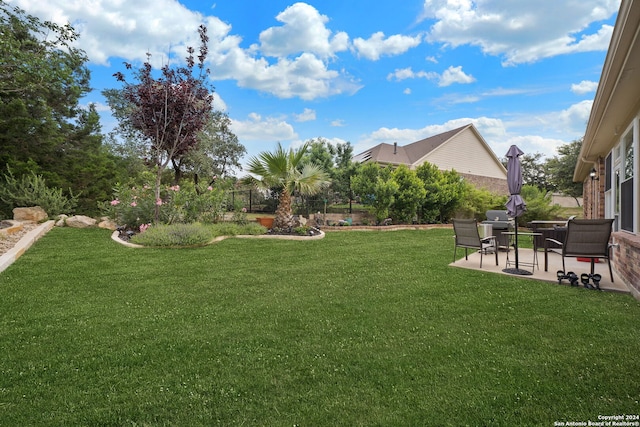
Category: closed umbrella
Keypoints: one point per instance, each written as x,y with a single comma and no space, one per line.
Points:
515,205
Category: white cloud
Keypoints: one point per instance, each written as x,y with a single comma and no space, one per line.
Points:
408,73
306,76
129,30
126,29
338,123
304,30
407,91
583,87
576,116
455,75
256,128
306,116
532,144
377,46
521,31
218,102
450,76
470,98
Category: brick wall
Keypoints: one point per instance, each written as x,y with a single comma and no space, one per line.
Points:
494,185
626,259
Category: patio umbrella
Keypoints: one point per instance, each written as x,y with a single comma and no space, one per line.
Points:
515,205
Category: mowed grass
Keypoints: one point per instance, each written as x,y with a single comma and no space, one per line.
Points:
359,328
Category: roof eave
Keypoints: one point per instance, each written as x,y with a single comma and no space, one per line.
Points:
618,94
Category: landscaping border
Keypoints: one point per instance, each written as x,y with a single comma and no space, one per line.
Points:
115,234
23,244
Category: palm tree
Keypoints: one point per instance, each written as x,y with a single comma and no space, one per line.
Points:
284,169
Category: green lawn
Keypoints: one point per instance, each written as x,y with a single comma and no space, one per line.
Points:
359,328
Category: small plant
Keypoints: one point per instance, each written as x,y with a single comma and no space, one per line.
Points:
194,234
163,235
303,230
239,214
254,229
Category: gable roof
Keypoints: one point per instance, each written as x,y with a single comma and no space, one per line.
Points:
417,150
408,154
441,149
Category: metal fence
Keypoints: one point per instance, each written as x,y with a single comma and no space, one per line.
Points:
255,201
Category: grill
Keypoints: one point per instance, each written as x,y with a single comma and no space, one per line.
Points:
500,223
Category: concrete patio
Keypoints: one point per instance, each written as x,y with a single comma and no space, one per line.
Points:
555,264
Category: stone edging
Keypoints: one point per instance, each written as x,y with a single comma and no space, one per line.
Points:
114,236
25,243
386,227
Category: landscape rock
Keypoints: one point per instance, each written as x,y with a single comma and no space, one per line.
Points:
61,220
108,224
80,221
34,213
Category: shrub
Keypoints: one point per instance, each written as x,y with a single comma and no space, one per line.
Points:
133,206
31,190
476,202
411,192
226,229
166,235
193,234
254,229
539,205
239,213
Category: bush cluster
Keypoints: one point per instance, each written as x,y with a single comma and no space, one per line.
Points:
192,234
32,190
165,235
136,206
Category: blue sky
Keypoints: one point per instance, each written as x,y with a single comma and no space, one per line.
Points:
524,72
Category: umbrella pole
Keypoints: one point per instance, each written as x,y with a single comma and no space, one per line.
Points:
517,270
516,247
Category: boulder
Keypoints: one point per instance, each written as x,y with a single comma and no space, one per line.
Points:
108,224
60,222
80,221
35,214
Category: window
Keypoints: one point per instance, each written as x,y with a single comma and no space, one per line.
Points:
620,170
628,155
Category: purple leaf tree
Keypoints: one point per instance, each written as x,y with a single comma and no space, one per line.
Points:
171,109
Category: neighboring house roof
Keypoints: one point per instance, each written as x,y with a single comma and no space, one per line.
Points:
617,99
463,150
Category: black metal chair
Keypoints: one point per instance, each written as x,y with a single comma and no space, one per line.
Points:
585,238
468,237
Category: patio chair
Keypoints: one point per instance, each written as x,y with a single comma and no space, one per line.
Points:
585,238
468,237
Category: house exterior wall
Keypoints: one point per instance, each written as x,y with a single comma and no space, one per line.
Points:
626,259
593,194
625,250
467,155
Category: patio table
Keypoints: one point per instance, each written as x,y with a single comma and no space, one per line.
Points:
534,263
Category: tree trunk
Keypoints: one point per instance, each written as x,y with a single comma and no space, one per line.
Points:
177,171
157,194
284,216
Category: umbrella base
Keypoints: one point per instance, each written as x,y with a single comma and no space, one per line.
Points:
517,271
